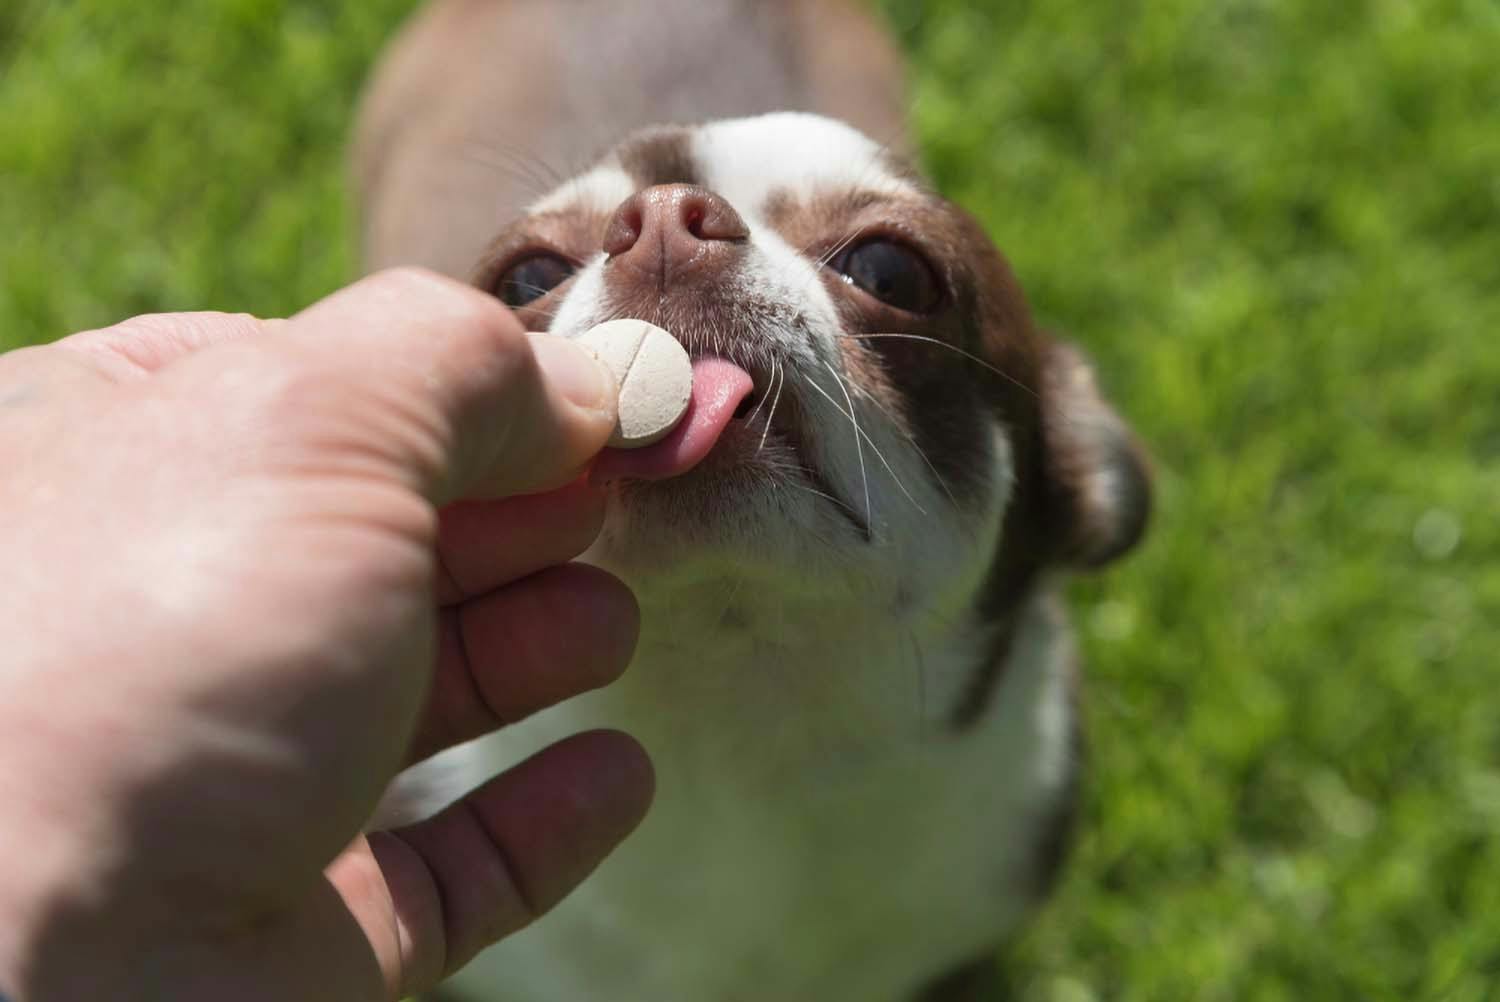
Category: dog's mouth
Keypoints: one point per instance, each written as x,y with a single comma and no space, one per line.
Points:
719,389
741,416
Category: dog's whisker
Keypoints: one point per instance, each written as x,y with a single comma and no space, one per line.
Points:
822,259
540,176
528,287
817,493
911,440
862,435
951,347
859,447
771,414
764,395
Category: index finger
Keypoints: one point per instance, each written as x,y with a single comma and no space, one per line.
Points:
514,413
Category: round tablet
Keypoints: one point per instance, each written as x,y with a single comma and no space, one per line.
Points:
655,376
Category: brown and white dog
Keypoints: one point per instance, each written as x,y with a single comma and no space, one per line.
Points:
854,676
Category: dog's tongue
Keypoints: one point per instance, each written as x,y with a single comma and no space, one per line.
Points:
718,389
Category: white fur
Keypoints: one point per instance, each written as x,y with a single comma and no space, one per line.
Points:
745,159
580,310
845,851
819,833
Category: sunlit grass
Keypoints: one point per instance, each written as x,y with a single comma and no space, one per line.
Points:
1277,227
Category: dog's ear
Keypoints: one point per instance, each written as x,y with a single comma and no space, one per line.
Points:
1098,479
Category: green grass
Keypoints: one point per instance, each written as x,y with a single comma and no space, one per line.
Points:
1276,225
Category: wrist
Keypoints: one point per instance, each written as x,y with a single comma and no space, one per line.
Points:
83,955
43,875
28,887
71,930
70,944
41,934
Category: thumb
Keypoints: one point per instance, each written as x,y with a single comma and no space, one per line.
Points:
512,413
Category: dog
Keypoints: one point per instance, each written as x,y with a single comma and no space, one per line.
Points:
855,675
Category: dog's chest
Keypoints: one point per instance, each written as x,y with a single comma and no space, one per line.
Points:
818,831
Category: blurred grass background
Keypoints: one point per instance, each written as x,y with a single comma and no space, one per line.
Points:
1275,224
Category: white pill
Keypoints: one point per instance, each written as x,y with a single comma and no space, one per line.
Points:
655,377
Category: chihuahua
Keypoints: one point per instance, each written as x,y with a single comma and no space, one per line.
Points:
854,674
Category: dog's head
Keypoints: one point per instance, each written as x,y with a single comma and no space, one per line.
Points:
905,435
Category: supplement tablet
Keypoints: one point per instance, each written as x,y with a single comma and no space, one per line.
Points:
655,376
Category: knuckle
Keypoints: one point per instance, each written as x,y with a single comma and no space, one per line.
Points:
463,311
243,324
406,279
489,324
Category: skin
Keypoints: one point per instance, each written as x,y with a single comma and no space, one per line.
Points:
256,568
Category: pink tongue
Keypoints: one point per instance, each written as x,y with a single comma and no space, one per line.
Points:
718,388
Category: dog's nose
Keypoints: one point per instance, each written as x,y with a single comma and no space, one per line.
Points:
671,229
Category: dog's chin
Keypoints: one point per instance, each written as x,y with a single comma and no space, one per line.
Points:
751,502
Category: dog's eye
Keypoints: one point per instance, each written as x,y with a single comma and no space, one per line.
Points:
532,278
893,273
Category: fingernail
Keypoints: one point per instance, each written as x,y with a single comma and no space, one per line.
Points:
575,371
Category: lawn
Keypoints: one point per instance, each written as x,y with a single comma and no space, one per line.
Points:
1275,224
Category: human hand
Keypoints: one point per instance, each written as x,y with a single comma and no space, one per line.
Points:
233,612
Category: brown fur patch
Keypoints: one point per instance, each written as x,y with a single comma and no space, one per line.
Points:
659,156
1081,492
942,372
